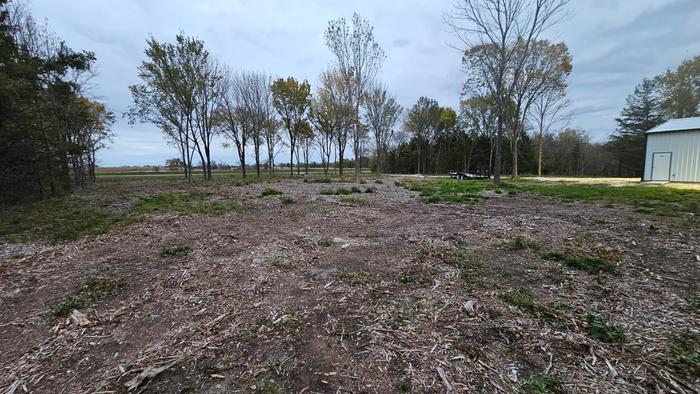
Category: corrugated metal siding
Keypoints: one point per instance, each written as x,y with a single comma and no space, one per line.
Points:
685,149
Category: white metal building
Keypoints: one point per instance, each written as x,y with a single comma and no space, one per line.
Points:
673,151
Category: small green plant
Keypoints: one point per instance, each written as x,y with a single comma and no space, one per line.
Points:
353,200
604,331
524,242
370,190
270,386
286,200
176,251
522,299
684,354
694,300
270,192
404,386
93,290
540,384
354,277
407,277
588,264
355,189
379,181
326,242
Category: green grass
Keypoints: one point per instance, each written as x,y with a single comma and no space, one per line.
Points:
270,192
93,290
584,263
468,263
353,200
603,331
176,251
55,220
643,198
69,218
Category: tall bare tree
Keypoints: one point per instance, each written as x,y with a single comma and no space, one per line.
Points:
331,116
548,116
496,37
235,121
358,60
381,112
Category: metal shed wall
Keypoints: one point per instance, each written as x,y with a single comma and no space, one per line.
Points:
685,149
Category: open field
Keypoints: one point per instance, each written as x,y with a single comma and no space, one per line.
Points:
384,285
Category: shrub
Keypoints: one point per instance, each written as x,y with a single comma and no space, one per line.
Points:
370,190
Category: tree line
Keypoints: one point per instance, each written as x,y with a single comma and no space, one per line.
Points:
191,96
50,129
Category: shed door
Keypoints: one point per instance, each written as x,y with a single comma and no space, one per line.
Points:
661,166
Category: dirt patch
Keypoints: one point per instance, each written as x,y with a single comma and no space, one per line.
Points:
324,296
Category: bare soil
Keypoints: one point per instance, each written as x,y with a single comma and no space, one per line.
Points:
320,296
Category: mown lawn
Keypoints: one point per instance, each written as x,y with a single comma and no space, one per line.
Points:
643,198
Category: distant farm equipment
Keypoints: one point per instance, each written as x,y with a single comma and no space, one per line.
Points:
468,175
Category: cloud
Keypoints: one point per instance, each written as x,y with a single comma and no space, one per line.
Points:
614,45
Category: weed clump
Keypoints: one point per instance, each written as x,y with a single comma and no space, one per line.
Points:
354,200
286,200
354,277
540,384
522,299
588,264
93,290
524,242
270,192
176,251
325,242
604,331
684,354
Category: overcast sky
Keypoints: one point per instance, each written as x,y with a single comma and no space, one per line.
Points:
614,44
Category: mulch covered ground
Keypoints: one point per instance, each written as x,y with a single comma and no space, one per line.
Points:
382,294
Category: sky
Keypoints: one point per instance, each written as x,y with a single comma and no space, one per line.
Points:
614,44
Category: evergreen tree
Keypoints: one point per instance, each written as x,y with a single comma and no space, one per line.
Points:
642,113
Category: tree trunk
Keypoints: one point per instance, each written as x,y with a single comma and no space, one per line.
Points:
539,160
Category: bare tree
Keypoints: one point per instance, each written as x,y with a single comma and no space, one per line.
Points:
382,112
331,116
358,60
272,140
208,93
497,35
548,117
234,122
